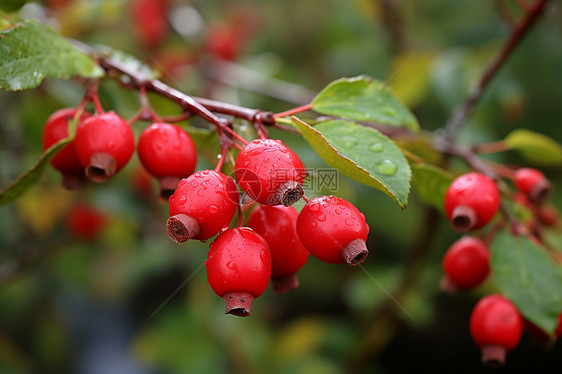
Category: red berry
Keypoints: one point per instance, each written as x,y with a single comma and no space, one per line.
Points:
168,153
104,144
466,264
238,268
534,184
150,21
278,226
333,230
202,205
66,160
85,222
270,172
224,40
496,327
547,215
471,201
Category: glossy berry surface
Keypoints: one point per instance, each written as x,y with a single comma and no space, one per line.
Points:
333,230
66,160
471,201
534,184
278,226
104,144
466,263
238,268
168,153
270,172
496,327
202,205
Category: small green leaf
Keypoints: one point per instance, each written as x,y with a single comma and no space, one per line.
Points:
30,51
430,183
528,278
537,148
363,99
27,179
363,154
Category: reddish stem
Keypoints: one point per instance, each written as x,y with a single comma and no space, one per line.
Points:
221,160
290,112
97,103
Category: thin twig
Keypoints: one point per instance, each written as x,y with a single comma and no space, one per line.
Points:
461,113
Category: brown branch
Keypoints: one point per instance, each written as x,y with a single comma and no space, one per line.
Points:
461,113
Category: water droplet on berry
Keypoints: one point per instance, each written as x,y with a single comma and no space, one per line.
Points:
194,183
314,207
266,159
321,217
387,167
338,211
182,183
377,147
200,192
182,200
264,255
213,209
314,224
164,138
246,163
349,222
110,144
232,265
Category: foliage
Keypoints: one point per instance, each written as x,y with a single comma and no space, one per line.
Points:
386,132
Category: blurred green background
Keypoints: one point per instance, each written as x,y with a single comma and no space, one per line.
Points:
75,301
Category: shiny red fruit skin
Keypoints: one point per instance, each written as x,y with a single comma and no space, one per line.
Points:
166,150
264,165
150,21
327,224
476,191
495,321
56,128
84,221
105,133
238,261
467,262
527,178
210,197
278,226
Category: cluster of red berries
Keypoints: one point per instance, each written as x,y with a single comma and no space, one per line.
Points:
471,202
104,144
277,240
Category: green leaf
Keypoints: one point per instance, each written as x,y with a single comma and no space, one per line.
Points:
27,179
528,278
363,99
430,183
11,5
537,148
363,154
30,51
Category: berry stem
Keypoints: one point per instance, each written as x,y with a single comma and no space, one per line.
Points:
97,102
290,112
221,160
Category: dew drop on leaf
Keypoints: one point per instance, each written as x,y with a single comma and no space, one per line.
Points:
377,147
387,167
